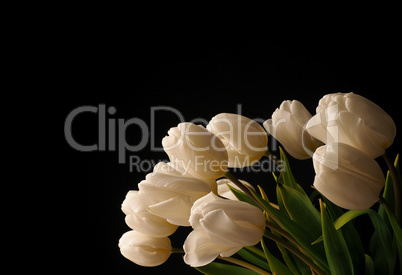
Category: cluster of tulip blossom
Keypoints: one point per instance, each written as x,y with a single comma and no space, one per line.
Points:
344,136
354,130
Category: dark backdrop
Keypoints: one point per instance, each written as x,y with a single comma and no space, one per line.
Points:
200,79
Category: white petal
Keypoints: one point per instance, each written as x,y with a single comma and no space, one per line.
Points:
347,177
229,252
200,250
144,250
224,231
151,225
176,210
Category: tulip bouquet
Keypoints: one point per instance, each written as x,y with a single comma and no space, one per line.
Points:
236,227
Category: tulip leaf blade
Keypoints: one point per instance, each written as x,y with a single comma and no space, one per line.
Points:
290,260
380,248
380,243
336,250
352,214
277,267
300,209
394,224
263,194
388,195
381,238
286,175
301,235
254,258
388,203
351,236
242,196
281,204
224,269
369,265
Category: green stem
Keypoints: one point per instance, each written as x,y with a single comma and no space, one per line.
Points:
289,237
282,232
296,252
245,264
397,191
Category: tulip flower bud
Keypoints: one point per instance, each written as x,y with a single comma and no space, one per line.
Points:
347,176
354,120
245,140
224,191
141,220
287,125
170,195
221,227
196,152
145,250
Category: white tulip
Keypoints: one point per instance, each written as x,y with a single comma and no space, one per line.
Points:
224,191
347,177
145,250
141,220
221,227
354,120
245,140
196,152
170,195
287,125
201,250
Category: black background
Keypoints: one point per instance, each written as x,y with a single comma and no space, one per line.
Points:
200,79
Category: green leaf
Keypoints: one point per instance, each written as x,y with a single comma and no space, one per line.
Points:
281,205
302,266
389,196
263,194
381,241
352,238
336,250
350,215
243,197
224,269
289,260
381,246
399,250
287,257
397,167
301,210
394,224
250,255
286,176
275,177
369,269
301,235
347,217
277,267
